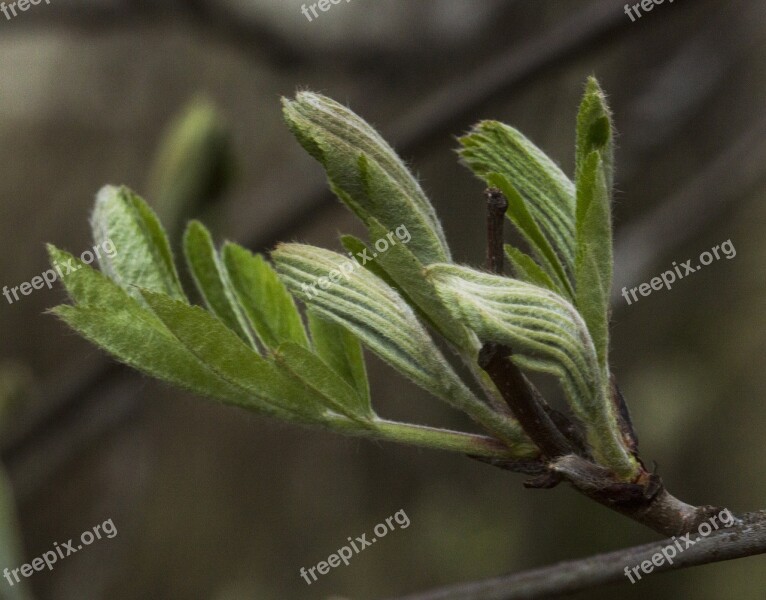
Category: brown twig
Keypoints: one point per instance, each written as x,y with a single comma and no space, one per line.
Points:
747,537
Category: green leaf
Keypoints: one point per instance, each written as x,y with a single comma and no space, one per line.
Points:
341,350
366,306
594,170
594,253
360,251
316,374
595,132
212,279
547,334
519,215
378,316
365,172
492,147
142,256
194,163
109,317
221,351
526,269
267,304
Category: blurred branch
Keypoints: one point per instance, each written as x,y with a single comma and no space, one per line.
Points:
732,173
746,538
252,37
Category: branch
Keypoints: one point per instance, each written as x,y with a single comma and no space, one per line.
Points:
746,538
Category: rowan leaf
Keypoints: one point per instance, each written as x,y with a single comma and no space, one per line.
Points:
365,172
336,394
546,334
225,354
593,269
492,147
342,352
520,216
212,280
142,256
594,179
111,318
267,304
383,321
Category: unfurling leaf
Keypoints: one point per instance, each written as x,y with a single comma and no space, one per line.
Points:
221,351
594,178
365,172
338,289
492,147
546,334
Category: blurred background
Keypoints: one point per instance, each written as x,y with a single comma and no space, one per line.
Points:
215,503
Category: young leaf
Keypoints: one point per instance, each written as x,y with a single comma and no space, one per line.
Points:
526,269
365,172
114,320
407,271
366,306
593,264
220,350
342,352
336,393
593,269
595,131
142,257
379,317
270,308
492,147
212,279
546,334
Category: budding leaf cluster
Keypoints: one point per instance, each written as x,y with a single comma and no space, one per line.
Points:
249,344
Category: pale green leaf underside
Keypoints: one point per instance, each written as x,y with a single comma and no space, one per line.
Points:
143,257
365,172
546,334
367,307
380,318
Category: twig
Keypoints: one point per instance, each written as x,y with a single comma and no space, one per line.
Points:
497,204
746,538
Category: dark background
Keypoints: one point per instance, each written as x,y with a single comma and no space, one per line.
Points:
211,502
